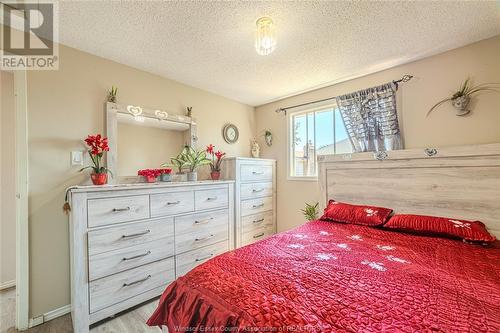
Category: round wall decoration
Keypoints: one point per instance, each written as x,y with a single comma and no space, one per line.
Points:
230,133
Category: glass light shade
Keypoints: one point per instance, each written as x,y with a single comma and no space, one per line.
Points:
265,40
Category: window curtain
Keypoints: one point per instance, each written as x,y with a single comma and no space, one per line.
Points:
371,119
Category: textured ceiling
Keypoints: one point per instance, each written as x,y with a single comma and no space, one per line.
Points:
209,45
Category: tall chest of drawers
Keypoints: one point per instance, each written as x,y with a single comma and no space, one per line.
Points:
255,197
128,242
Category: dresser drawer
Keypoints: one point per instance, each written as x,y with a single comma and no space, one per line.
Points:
200,222
129,234
119,287
208,199
251,223
117,210
256,235
189,260
203,237
254,206
256,190
250,173
172,203
112,262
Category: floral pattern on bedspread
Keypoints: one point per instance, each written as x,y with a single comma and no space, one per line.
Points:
340,278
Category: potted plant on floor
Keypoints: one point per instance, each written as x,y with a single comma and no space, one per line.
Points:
194,159
97,146
216,160
310,212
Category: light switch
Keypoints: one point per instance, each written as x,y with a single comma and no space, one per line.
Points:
76,158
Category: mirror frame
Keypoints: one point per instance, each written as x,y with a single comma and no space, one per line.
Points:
111,111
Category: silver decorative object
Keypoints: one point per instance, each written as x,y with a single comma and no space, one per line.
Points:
380,155
460,104
430,151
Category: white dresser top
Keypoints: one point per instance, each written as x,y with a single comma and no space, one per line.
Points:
144,186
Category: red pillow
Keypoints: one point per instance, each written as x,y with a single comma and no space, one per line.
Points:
356,214
467,230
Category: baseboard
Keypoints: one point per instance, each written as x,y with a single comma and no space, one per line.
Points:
59,312
7,284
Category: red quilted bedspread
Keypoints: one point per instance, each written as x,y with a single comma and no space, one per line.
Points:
331,277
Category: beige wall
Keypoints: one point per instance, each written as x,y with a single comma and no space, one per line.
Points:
7,180
435,78
66,105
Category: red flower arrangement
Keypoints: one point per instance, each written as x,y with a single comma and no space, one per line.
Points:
216,160
97,146
165,171
149,174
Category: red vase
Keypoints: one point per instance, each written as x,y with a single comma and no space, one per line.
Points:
150,179
99,178
215,175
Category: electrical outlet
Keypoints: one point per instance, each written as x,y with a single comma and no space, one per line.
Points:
76,158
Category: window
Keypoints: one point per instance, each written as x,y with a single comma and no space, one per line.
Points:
313,133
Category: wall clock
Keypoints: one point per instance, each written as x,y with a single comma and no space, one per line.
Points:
230,133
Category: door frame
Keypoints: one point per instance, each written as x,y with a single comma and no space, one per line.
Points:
22,226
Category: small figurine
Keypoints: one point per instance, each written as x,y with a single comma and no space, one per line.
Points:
189,111
255,149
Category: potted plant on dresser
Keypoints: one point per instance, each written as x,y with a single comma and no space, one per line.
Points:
194,159
97,146
216,160
149,175
178,162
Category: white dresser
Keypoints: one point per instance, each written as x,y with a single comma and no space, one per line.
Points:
255,197
128,242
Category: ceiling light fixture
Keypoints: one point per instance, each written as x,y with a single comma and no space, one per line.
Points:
265,40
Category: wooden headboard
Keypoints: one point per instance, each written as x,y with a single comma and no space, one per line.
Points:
461,182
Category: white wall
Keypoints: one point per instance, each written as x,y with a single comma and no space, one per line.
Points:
7,180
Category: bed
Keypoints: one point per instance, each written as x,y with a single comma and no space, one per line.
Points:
334,277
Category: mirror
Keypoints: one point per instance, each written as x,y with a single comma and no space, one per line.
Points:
141,138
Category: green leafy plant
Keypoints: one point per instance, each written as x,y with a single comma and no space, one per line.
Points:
195,158
112,94
311,211
467,90
179,162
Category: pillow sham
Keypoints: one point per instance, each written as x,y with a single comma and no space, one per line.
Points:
474,231
355,214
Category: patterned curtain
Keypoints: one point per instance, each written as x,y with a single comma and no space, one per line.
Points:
371,119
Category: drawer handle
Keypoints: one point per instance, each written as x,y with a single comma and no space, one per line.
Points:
258,221
211,198
203,221
258,172
205,258
137,234
137,256
128,284
257,190
203,238
259,235
116,210
173,203
258,206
